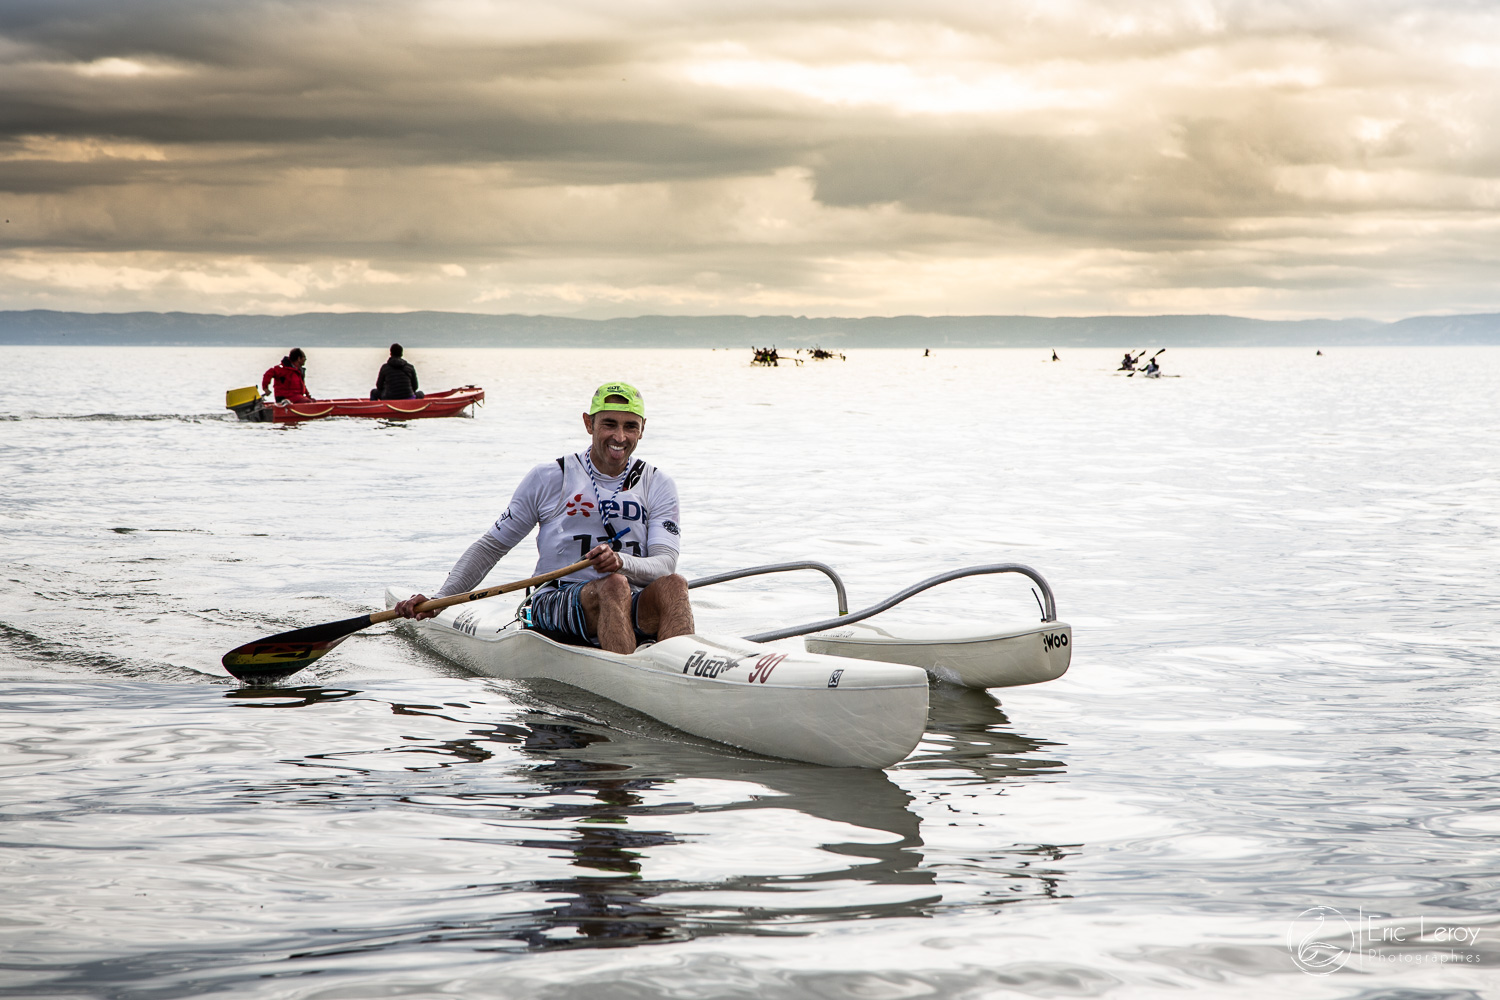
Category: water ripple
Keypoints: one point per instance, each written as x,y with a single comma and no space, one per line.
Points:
1280,576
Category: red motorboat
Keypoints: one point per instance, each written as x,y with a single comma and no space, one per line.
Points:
449,403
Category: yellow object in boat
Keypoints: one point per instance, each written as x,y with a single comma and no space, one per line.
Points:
239,397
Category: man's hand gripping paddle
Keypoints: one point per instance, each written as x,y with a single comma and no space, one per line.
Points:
282,655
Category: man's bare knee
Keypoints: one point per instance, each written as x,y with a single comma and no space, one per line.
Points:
668,609
666,591
673,586
606,590
613,587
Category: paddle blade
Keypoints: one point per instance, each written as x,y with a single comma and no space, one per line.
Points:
282,655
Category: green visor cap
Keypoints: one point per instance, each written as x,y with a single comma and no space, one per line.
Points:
632,396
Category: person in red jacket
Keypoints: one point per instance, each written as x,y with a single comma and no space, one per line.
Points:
289,377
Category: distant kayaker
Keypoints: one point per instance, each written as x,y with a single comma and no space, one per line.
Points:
1054,355
397,378
1128,364
599,505
289,378
1152,368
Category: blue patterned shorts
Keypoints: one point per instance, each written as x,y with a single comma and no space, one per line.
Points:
557,613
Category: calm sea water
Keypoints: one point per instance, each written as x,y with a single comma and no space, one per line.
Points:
1280,569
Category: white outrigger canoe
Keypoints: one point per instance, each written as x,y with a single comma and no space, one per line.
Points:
856,697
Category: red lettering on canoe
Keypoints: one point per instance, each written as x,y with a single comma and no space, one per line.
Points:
763,667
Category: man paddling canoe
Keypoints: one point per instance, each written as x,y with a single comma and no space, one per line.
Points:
598,505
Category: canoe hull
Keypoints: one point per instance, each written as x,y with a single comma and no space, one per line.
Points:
797,705
1025,655
449,403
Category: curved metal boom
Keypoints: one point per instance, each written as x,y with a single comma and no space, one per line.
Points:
826,570
1049,609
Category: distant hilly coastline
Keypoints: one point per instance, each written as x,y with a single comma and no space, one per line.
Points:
449,329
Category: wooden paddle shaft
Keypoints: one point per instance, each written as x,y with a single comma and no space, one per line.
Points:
438,603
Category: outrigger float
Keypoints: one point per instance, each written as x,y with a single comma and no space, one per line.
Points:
247,405
854,696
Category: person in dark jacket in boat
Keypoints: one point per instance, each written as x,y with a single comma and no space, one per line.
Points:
397,378
289,378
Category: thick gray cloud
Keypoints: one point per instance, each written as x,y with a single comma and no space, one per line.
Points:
824,158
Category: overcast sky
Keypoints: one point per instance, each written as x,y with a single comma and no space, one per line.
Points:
1280,160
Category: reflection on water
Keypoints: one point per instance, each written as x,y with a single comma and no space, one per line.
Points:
967,728
613,811
609,831
287,697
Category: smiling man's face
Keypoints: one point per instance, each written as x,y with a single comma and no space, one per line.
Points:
615,434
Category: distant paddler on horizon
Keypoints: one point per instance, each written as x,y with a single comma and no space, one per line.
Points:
1150,370
620,515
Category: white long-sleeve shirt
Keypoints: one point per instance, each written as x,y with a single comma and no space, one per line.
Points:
565,504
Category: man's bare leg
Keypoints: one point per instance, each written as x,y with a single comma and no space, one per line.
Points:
606,608
664,610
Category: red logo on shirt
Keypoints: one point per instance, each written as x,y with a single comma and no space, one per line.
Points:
577,505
